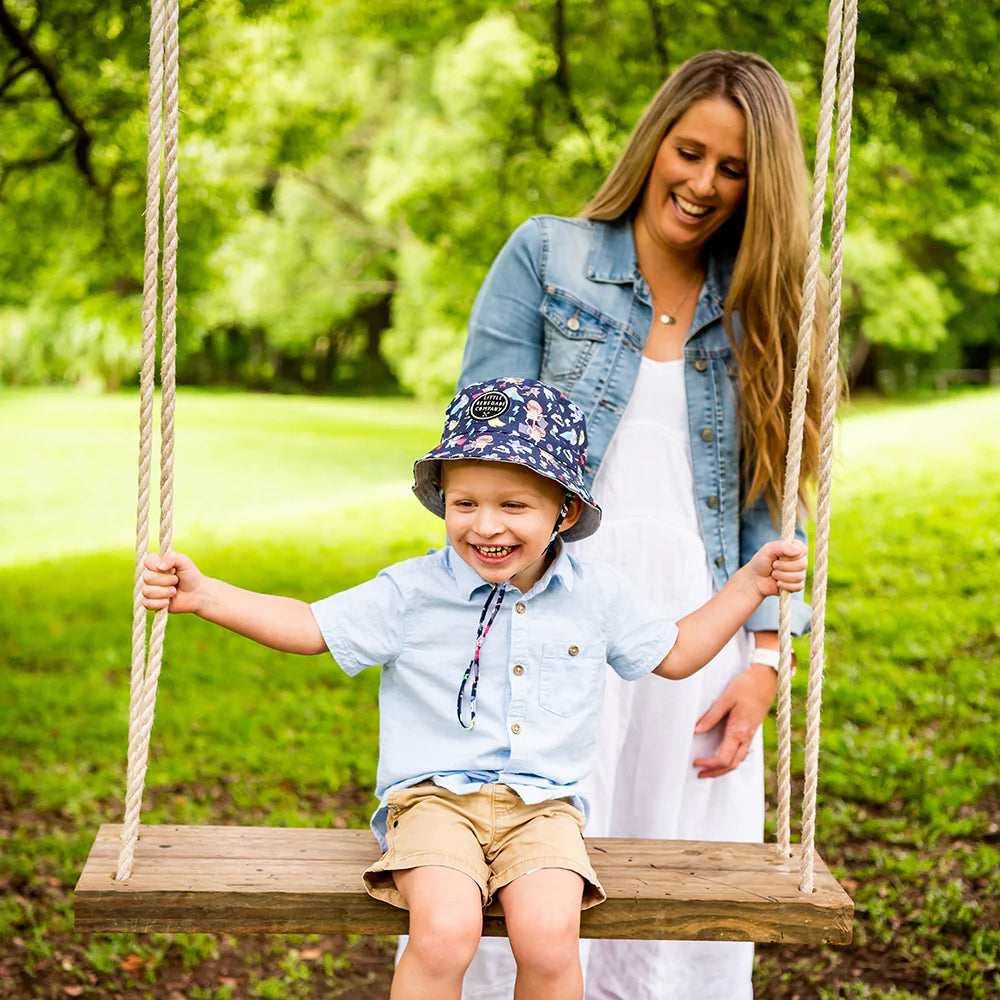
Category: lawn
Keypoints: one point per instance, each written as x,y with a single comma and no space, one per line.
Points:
305,496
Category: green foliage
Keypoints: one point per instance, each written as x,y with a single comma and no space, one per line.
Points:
900,306
350,168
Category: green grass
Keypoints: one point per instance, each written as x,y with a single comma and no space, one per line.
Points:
244,465
306,496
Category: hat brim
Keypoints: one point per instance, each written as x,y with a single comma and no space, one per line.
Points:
427,482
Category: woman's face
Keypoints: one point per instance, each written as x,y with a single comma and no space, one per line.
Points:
698,180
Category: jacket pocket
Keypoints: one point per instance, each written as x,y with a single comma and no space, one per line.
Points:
572,679
573,333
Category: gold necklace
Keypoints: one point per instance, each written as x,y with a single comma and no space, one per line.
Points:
668,319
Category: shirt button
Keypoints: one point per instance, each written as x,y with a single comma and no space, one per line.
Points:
700,365
713,502
515,729
720,561
573,650
519,607
518,669
707,434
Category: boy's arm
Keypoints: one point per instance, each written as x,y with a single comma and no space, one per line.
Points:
172,580
776,566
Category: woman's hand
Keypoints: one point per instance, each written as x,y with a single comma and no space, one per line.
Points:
742,706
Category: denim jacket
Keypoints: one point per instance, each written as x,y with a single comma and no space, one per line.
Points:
565,302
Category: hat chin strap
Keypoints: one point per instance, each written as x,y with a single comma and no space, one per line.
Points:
563,512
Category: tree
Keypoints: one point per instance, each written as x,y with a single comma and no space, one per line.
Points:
353,165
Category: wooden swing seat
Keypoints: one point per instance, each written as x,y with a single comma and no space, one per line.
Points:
278,880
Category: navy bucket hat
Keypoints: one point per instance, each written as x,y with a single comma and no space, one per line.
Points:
519,421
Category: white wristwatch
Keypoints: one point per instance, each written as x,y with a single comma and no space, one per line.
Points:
769,657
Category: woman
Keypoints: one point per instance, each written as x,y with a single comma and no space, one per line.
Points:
669,312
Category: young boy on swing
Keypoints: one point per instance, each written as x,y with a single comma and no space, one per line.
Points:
479,802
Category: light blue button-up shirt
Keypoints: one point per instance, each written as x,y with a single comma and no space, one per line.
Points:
542,666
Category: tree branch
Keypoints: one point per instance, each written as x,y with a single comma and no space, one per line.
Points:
659,38
561,76
82,139
13,73
9,167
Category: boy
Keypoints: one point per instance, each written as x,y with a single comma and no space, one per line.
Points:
484,810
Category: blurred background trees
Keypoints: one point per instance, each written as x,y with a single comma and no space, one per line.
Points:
350,168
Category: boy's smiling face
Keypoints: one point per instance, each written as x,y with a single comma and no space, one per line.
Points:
499,518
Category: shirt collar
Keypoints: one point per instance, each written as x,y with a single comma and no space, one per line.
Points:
468,581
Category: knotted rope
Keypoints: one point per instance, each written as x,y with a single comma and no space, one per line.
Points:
841,38
161,168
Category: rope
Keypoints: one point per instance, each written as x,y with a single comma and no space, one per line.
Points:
800,389
814,694
841,38
161,144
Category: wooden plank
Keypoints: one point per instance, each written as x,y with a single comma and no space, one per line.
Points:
252,880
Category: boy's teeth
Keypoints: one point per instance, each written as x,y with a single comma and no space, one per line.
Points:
494,550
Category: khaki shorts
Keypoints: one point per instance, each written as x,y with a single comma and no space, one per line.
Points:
491,835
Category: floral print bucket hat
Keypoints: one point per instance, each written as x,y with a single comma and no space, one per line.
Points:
515,420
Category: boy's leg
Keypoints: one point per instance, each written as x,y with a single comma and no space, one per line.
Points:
542,911
446,922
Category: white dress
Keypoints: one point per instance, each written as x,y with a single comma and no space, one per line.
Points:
643,783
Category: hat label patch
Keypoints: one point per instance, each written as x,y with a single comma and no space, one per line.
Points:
489,405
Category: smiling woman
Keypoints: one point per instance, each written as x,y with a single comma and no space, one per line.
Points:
696,185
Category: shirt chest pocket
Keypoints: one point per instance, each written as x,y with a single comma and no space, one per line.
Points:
572,679
573,335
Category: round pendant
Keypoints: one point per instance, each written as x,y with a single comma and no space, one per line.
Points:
667,320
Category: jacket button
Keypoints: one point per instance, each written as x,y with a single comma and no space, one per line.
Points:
713,502
707,434
720,561
701,365
518,669
573,324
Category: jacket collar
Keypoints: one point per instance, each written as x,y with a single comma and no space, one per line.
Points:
613,259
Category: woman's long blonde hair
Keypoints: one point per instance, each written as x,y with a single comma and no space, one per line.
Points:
768,239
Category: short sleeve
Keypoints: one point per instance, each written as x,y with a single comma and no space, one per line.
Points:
364,626
639,634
